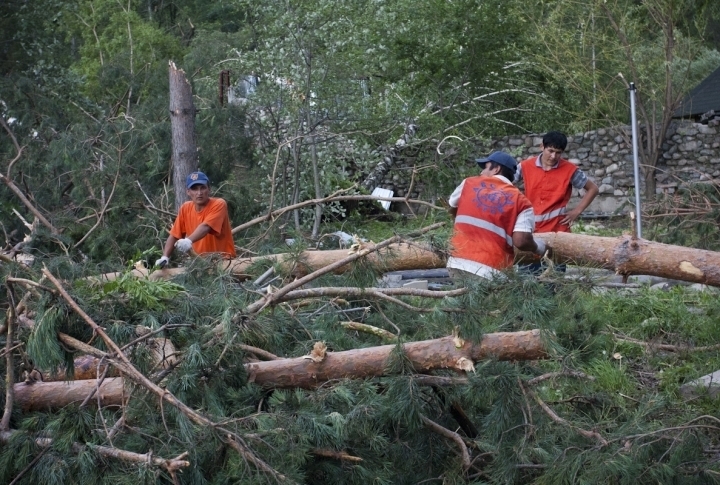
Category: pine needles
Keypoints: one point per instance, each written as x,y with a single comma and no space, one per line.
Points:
601,409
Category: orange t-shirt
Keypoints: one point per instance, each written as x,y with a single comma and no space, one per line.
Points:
215,215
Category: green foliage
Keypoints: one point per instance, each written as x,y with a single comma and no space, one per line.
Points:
85,84
139,293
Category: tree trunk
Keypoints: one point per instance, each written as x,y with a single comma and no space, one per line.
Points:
622,254
443,353
182,120
36,396
628,256
394,258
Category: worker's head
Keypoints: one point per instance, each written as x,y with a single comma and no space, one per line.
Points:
498,163
555,139
553,145
198,189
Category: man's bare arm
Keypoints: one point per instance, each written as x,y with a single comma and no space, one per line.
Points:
591,190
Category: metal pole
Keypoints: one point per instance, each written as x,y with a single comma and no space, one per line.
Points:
636,163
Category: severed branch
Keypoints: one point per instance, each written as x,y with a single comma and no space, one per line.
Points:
171,465
666,347
381,293
273,298
553,375
362,327
259,352
553,416
121,361
336,455
451,435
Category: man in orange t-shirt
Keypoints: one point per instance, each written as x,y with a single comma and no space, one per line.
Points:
202,224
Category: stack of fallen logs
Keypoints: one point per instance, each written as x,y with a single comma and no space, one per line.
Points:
100,377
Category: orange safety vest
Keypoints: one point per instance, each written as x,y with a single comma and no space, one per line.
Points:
549,192
486,214
215,215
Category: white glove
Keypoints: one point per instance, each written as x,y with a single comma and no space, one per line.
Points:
184,245
541,247
162,262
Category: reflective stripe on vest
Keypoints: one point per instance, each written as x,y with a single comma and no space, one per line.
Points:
550,215
488,226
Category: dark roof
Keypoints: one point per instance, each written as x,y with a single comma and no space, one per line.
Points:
703,98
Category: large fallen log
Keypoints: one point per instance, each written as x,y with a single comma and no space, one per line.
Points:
633,256
309,371
84,367
395,257
443,353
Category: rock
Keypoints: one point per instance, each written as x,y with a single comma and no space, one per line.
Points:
709,384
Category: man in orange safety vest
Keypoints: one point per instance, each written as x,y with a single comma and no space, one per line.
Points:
491,216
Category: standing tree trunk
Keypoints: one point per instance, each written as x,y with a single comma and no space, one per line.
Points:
182,119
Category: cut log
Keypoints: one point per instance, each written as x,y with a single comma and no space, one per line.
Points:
395,257
162,353
38,395
443,353
304,372
85,367
633,256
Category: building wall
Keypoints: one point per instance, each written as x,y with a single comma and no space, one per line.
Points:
691,153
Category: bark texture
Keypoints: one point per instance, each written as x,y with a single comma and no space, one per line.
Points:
632,256
84,367
395,257
39,395
309,371
182,121
444,353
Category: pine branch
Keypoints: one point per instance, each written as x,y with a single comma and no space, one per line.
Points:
171,465
271,299
464,454
121,361
587,434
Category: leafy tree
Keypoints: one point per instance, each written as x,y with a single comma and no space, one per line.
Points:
596,48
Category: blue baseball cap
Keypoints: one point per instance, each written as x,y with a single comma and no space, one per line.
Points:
196,178
501,158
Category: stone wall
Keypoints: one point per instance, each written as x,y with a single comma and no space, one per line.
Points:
691,153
